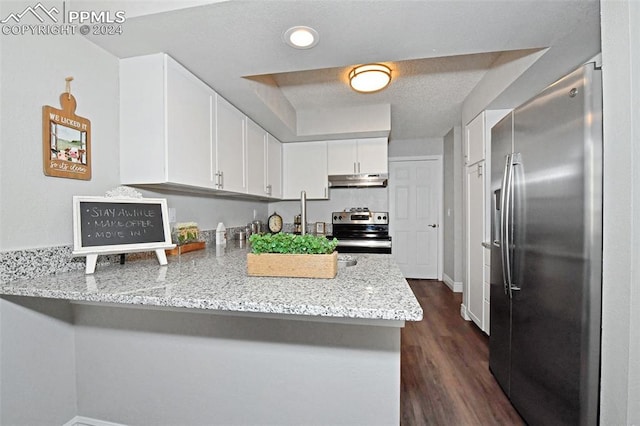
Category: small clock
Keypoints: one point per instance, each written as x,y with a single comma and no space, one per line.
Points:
275,223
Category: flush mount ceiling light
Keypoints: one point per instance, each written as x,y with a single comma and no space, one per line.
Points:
301,37
369,78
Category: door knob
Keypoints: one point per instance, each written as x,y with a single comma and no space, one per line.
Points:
434,225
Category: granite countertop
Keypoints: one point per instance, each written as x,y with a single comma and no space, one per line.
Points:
372,289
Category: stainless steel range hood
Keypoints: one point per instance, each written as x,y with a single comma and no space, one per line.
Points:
364,180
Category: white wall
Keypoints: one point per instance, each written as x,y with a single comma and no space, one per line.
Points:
415,147
620,377
38,370
35,210
158,367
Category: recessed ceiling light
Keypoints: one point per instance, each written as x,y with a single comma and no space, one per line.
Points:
301,37
369,78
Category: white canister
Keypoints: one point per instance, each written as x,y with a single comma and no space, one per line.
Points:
221,235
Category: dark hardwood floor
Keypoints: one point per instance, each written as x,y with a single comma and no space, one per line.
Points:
445,366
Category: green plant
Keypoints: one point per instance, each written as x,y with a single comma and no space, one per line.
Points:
291,244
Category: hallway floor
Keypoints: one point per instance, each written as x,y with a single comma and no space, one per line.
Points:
445,377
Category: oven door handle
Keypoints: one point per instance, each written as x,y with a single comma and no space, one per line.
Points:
365,243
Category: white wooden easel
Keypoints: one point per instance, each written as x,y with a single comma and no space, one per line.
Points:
125,195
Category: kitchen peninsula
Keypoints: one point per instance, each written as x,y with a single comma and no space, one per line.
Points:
200,342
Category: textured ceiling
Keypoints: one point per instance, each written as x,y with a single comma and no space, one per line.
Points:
439,51
425,94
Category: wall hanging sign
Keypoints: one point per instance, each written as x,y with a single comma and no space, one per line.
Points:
118,224
66,139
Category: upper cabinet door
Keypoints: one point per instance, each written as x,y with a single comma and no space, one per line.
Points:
230,144
274,167
342,157
477,145
475,140
305,169
354,156
373,156
189,142
165,123
256,159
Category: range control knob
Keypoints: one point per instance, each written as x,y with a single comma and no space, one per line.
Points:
379,217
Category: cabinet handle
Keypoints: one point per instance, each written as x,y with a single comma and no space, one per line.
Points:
325,192
217,180
221,180
479,170
268,190
358,167
354,168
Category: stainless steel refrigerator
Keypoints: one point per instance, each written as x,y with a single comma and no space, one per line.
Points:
546,184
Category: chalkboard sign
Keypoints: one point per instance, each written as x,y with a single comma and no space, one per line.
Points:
120,223
106,225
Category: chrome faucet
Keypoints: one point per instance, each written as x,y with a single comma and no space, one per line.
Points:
303,212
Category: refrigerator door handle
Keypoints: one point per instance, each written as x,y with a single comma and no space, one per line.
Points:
503,224
516,160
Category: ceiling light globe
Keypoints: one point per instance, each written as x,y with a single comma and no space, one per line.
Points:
370,78
302,38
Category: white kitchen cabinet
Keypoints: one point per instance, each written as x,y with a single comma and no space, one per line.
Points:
342,157
264,162
373,155
475,140
477,150
274,167
478,135
230,147
487,289
475,226
165,124
256,159
305,169
353,156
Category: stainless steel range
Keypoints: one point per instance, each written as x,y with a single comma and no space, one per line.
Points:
359,230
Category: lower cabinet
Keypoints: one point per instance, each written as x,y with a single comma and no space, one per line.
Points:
305,169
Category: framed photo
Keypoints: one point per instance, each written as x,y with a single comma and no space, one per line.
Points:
320,228
66,141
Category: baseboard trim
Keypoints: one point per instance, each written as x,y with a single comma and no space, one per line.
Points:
88,421
463,313
456,287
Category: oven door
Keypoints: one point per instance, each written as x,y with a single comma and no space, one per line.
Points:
364,245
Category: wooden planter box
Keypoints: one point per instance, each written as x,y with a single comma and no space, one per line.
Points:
185,248
293,265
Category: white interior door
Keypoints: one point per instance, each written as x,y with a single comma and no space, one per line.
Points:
415,199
